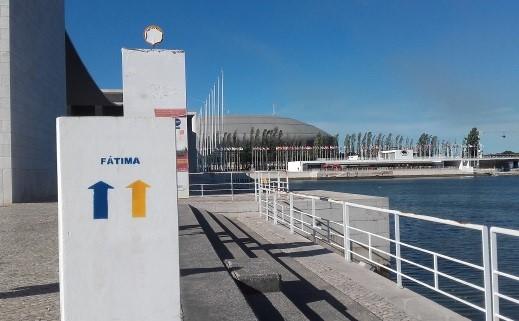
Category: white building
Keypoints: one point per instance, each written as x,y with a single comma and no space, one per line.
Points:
396,154
32,95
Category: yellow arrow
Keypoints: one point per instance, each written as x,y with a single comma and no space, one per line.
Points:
138,198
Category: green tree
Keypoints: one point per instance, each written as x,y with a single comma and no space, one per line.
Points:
389,141
359,141
353,139
423,141
346,144
235,139
472,141
257,136
251,136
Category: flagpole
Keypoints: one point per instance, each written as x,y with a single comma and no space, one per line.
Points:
223,113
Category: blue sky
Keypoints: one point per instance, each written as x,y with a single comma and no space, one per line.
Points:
404,67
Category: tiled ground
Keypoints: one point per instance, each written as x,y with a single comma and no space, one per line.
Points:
29,289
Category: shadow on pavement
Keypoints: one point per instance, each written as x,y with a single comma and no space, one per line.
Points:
30,291
301,292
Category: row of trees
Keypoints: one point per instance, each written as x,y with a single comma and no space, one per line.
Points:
265,138
274,137
272,145
369,144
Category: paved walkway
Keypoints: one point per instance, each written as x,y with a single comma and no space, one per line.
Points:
303,296
372,291
29,262
208,292
318,284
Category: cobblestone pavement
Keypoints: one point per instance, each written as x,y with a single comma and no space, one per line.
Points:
29,289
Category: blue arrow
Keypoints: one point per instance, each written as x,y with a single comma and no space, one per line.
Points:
100,199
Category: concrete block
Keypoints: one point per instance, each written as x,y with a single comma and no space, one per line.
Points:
5,92
5,150
5,162
371,226
4,44
7,187
5,126
4,33
257,274
5,138
4,58
4,10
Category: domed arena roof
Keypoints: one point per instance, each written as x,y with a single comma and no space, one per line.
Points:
293,130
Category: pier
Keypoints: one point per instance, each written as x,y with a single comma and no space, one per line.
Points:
317,283
338,256
318,280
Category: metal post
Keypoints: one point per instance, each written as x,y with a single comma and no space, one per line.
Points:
436,285
397,248
232,188
267,205
202,189
346,231
279,182
291,200
329,232
259,201
370,252
487,273
495,277
275,207
256,188
313,213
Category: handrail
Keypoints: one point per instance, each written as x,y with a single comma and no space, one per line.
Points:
233,186
305,223
496,294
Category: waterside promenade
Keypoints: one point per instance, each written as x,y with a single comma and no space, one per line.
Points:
316,283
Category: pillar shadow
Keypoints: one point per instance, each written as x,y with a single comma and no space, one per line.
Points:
301,292
30,291
261,306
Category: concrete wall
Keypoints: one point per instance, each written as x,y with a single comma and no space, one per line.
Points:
367,220
34,75
5,103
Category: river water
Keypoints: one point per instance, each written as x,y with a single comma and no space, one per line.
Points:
491,201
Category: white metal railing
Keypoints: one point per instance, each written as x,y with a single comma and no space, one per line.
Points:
232,185
226,183
496,273
274,203
207,189
267,179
